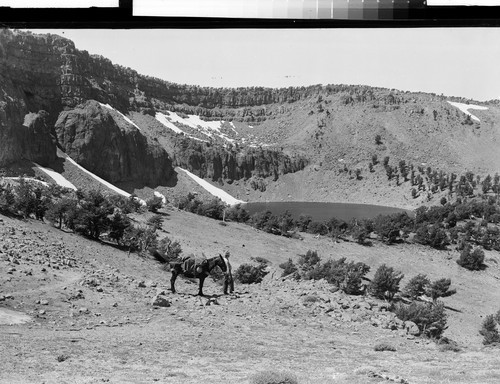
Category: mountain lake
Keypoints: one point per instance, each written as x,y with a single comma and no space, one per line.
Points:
324,211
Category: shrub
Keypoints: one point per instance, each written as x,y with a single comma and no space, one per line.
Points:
250,274
154,204
309,260
440,288
429,317
489,330
139,238
288,268
385,283
155,221
237,213
117,226
384,347
91,217
274,377
387,228
169,250
446,344
416,286
260,260
473,261
432,235
60,211
7,199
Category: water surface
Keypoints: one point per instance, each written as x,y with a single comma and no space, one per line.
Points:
323,211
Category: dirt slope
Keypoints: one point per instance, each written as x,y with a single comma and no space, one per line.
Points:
92,318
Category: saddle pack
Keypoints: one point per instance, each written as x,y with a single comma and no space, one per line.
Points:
193,266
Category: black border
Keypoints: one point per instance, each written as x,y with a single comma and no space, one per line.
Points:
417,15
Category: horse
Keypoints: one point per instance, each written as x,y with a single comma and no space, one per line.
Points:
190,267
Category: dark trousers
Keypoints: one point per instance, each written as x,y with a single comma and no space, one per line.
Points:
228,282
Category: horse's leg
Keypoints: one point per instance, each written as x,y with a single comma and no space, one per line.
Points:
172,280
200,291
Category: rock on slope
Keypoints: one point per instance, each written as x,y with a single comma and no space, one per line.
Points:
118,153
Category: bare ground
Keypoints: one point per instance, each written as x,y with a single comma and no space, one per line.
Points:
92,320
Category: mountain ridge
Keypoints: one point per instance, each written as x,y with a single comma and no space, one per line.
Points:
330,129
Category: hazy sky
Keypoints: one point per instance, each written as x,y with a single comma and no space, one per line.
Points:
453,61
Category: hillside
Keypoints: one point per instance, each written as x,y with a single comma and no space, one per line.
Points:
91,317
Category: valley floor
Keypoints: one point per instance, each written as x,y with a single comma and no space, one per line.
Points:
92,318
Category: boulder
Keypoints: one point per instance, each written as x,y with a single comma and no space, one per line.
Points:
160,301
101,141
411,328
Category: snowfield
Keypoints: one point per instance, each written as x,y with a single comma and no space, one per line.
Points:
223,195
57,177
121,114
465,107
102,181
208,128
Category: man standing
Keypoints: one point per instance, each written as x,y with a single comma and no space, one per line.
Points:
228,276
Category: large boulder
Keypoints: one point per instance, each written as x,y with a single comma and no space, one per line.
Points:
106,144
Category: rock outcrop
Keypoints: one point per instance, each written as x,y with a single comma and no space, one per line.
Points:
110,148
218,163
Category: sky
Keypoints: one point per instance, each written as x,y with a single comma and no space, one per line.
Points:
452,61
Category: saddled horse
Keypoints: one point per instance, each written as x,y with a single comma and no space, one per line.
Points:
190,267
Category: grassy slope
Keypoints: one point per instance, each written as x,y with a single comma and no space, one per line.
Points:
264,326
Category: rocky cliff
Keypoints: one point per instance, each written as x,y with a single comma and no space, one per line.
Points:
43,81
219,164
93,137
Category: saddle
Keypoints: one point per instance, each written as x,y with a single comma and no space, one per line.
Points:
193,266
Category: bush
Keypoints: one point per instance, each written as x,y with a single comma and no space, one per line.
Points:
260,260
416,286
473,261
384,347
429,317
250,274
432,235
385,283
489,330
308,261
7,199
274,377
154,204
440,288
288,268
91,217
169,250
155,221
117,226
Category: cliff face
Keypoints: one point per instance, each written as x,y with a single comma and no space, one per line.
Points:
217,163
43,81
32,93
92,137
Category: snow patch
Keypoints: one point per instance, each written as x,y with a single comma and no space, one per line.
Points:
465,107
57,177
223,195
208,128
161,196
121,114
164,120
102,181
